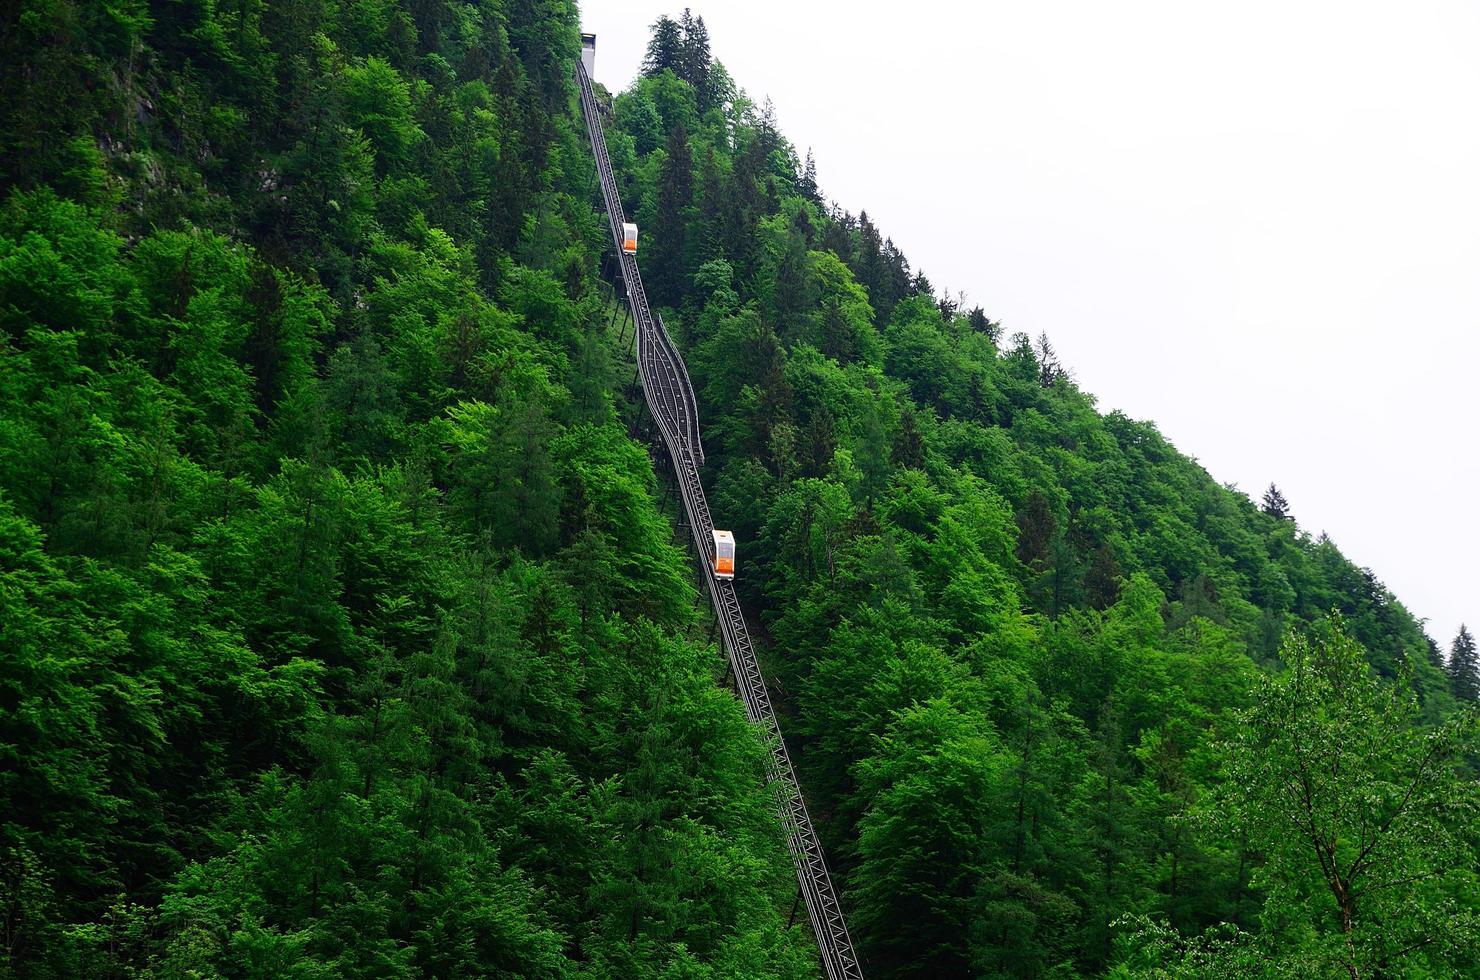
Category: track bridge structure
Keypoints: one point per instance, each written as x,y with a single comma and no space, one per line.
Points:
670,399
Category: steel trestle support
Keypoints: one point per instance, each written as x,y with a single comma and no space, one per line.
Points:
669,395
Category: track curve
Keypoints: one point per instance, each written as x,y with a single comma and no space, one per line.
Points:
670,398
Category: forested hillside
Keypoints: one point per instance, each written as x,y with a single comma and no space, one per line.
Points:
343,634
340,632
1026,645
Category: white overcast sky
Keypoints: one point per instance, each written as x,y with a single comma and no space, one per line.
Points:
1256,224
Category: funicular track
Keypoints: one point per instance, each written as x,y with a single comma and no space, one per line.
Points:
670,399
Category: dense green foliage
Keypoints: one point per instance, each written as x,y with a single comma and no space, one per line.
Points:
1368,830
340,633
1015,633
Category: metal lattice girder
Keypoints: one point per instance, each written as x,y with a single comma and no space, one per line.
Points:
669,395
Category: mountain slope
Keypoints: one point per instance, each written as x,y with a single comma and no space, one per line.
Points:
1014,632
341,632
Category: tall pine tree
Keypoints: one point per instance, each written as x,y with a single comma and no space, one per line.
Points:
669,270
1275,504
693,58
665,48
807,182
1464,666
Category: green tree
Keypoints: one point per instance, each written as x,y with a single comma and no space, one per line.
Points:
1367,823
931,786
665,47
909,445
1275,504
377,100
843,327
504,479
693,58
670,253
1464,666
807,181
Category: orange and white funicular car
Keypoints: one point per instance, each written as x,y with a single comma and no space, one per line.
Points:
724,555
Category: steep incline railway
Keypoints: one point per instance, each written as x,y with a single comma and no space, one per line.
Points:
670,399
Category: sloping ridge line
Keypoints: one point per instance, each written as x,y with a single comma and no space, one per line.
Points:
670,399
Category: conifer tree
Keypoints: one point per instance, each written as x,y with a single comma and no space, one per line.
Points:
1275,504
979,322
1049,368
871,267
1464,666
1102,580
909,445
838,238
665,48
669,276
821,443
807,183
1435,654
920,285
693,58
768,131
901,283
1036,529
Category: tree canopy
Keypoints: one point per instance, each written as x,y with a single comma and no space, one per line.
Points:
344,633
1012,631
341,632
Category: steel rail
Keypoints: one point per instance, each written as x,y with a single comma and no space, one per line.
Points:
694,438
669,395
676,393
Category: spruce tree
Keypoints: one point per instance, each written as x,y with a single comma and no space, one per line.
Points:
821,443
792,281
1464,666
1049,367
1036,530
871,268
980,323
1275,504
807,183
1102,580
693,57
920,285
1436,655
838,238
675,199
909,444
665,48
